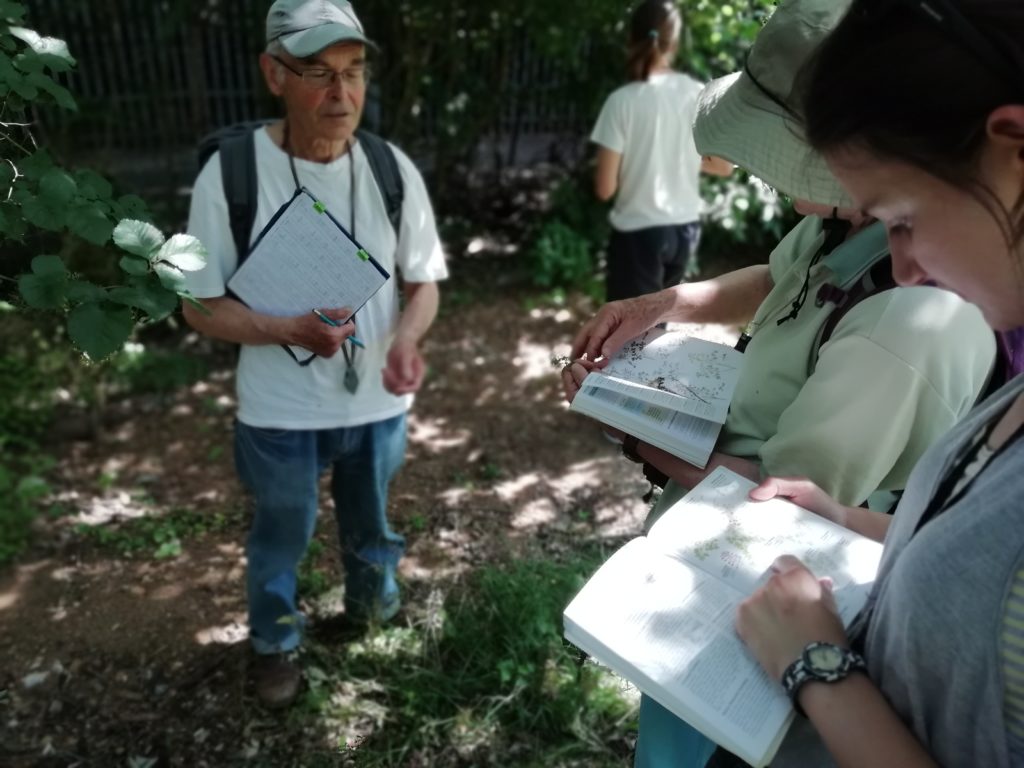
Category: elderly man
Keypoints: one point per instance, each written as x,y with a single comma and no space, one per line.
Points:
343,410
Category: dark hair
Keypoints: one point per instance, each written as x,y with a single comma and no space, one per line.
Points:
892,82
653,30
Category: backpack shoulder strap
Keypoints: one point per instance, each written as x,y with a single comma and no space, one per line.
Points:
384,167
875,280
238,172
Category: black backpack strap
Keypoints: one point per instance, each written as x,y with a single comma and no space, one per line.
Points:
874,281
238,172
384,167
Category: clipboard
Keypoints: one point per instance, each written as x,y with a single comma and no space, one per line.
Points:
305,259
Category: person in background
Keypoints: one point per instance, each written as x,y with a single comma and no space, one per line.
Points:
855,412
345,411
919,109
646,160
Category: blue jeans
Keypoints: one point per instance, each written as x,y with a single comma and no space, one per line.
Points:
281,468
665,741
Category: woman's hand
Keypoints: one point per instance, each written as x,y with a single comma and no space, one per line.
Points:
793,609
617,322
573,375
804,493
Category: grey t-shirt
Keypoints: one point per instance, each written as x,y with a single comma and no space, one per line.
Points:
931,629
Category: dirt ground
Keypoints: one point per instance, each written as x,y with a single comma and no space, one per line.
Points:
105,657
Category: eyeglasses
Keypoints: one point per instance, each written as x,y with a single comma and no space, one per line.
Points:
987,50
321,78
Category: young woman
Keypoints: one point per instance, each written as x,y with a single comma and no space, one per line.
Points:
647,161
919,108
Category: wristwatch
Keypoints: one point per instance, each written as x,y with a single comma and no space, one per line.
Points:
821,663
630,443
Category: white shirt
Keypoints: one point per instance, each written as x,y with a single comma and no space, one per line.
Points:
651,125
274,391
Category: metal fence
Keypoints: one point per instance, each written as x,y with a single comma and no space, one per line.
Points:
152,78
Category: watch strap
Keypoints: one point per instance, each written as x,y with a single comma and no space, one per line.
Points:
630,444
800,672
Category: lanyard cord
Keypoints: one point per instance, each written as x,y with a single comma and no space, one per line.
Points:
350,355
351,175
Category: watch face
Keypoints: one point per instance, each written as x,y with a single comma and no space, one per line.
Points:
824,658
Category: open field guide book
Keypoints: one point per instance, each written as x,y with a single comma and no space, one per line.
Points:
667,389
660,612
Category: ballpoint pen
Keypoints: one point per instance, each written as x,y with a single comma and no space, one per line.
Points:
336,324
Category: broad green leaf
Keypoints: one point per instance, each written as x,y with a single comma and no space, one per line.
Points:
36,164
48,265
12,226
172,278
50,46
88,221
184,252
7,71
43,291
138,237
131,207
92,186
57,187
29,62
61,95
12,11
80,291
6,175
100,329
134,265
151,297
42,215
24,89
56,63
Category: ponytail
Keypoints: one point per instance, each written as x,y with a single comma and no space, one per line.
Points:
653,32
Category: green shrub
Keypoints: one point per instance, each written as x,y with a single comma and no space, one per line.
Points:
564,251
743,214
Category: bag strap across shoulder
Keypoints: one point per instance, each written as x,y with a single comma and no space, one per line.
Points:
384,167
238,172
877,279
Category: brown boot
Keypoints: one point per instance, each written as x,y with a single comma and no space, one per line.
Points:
276,679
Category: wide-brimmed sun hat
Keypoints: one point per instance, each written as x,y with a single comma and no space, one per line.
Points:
306,27
750,117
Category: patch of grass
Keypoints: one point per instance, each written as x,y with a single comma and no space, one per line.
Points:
158,536
313,580
485,679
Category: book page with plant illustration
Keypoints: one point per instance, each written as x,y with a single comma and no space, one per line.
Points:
678,372
661,611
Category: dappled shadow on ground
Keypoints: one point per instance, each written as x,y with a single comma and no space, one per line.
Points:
119,644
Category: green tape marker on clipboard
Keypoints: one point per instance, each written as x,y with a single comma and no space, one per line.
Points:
318,206
363,255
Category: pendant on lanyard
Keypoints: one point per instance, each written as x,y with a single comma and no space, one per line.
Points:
350,380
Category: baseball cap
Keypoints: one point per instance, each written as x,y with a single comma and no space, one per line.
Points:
751,117
306,27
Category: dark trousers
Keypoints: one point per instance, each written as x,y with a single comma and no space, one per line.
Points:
647,260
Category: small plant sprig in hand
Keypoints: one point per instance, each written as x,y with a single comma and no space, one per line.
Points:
560,361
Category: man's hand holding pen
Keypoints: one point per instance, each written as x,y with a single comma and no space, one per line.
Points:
313,332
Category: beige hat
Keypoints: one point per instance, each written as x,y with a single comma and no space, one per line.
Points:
744,117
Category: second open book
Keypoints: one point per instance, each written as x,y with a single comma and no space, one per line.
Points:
667,389
660,612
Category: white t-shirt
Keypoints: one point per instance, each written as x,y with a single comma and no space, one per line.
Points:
651,125
273,390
